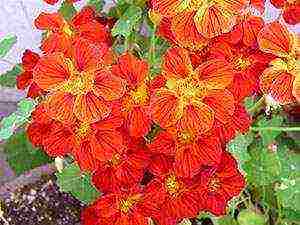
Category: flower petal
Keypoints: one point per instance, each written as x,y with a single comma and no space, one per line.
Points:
49,21
90,108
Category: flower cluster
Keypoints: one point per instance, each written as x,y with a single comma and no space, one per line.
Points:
156,146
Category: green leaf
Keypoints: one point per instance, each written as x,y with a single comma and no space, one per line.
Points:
239,145
6,44
15,120
8,79
291,215
67,10
247,217
128,21
268,136
226,220
73,181
22,156
98,4
288,193
264,168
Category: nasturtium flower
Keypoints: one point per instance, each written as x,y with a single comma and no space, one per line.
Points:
25,79
89,143
291,10
219,185
122,170
190,151
198,18
53,2
80,85
60,34
135,102
248,65
123,207
192,98
170,198
282,79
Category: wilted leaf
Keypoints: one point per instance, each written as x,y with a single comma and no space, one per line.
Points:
72,180
6,44
22,156
127,22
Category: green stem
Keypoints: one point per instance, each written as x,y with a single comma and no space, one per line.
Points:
257,107
275,129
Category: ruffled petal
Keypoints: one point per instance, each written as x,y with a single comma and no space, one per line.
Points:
90,108
139,122
217,74
166,7
108,86
276,39
49,21
51,71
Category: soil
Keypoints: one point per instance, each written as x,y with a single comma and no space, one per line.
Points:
41,203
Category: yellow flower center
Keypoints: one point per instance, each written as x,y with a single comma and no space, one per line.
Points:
172,185
186,137
214,184
115,160
241,63
189,5
79,82
83,130
67,30
140,96
126,204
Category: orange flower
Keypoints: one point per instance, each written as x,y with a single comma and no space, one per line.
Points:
136,102
53,2
25,79
282,79
118,208
169,198
192,19
192,98
79,84
189,150
291,10
219,185
60,33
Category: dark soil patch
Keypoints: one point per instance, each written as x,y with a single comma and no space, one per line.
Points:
41,204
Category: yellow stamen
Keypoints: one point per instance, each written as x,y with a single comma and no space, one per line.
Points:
214,184
172,185
241,63
126,204
83,130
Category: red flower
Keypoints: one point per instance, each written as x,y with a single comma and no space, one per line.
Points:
61,34
219,185
121,170
189,150
89,143
291,10
248,64
53,2
282,79
25,79
186,99
135,103
79,85
192,19
117,208
170,198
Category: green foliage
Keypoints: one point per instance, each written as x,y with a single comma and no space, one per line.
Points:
239,145
10,124
73,181
6,44
8,79
98,4
247,217
263,168
268,136
22,156
67,10
226,220
128,21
